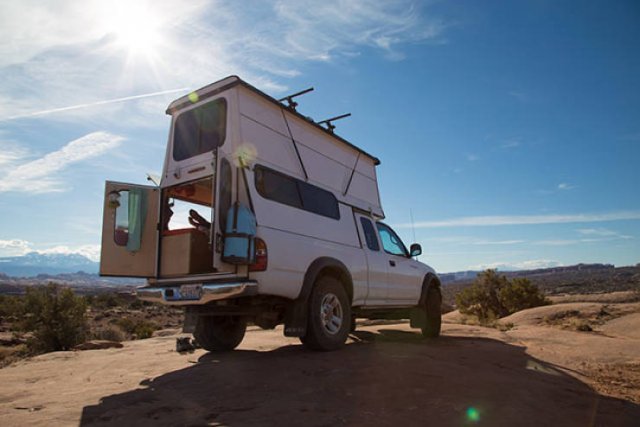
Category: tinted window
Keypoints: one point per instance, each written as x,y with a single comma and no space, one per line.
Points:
200,130
277,187
370,234
390,241
318,201
290,191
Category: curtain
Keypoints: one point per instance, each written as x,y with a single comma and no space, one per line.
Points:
137,214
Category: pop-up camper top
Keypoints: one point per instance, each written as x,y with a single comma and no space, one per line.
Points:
213,131
259,208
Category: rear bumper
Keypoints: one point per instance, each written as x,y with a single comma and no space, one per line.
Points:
197,294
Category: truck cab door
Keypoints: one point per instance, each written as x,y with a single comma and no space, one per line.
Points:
404,274
129,230
377,261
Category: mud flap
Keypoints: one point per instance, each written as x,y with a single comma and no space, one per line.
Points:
418,317
295,319
190,320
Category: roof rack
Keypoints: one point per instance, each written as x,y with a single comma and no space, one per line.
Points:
330,125
293,104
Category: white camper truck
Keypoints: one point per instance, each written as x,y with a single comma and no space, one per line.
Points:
264,216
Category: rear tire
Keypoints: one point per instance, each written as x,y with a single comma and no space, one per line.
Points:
329,316
433,308
220,333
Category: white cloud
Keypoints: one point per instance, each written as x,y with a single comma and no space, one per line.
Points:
19,247
69,53
520,265
557,242
90,251
38,176
498,242
603,232
565,186
11,153
14,247
472,157
512,143
489,221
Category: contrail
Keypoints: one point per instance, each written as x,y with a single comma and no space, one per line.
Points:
92,104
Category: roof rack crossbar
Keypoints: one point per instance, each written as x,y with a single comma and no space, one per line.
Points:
330,125
293,104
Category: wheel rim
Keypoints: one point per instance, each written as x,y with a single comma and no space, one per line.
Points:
331,314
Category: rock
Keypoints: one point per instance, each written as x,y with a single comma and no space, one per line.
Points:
98,345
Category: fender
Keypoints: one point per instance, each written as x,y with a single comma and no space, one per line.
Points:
295,323
418,314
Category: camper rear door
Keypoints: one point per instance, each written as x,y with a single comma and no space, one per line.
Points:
129,230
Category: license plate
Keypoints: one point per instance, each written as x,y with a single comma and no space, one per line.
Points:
190,292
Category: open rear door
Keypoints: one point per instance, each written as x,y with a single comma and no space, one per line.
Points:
129,230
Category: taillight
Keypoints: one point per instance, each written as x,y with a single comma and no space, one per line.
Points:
261,256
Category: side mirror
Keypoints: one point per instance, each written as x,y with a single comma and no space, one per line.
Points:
415,250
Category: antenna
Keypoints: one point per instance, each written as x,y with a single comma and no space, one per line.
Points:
293,104
331,126
413,227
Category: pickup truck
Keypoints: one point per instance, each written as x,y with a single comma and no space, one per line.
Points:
264,216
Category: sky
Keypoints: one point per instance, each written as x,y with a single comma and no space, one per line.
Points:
509,132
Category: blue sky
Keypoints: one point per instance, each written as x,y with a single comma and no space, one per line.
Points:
510,131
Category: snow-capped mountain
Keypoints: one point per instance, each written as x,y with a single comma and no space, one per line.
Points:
35,263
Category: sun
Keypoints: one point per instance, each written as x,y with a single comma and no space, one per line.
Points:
135,26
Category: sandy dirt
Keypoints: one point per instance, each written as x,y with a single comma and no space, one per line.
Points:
533,374
543,368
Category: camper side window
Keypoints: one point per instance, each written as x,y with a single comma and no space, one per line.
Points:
290,191
200,130
370,235
120,200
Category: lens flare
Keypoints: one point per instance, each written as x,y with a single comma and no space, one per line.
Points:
246,154
473,414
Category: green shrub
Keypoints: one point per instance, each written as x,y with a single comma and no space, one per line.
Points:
520,294
9,306
492,296
56,316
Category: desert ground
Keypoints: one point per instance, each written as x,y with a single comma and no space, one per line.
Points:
541,366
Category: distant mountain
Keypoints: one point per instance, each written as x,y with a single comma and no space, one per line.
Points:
457,276
33,264
469,276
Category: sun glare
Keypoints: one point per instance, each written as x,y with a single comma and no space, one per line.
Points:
135,26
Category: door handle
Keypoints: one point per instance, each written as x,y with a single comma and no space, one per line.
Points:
392,263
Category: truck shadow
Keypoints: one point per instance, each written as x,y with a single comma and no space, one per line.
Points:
386,378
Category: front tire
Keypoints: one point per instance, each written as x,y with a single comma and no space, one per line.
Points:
433,308
329,316
220,333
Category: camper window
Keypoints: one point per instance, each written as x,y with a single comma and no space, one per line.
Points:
120,201
290,191
370,234
200,130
